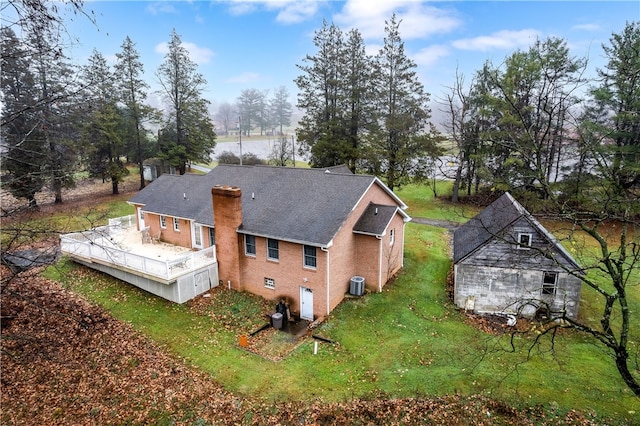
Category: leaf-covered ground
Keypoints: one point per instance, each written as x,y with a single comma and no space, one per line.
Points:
67,362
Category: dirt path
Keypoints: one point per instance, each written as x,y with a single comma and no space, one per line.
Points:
449,225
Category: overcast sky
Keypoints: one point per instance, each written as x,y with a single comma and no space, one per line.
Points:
257,44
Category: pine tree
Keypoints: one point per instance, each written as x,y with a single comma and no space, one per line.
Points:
133,93
103,126
401,147
24,151
188,130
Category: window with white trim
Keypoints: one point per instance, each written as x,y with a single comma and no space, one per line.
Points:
176,224
272,249
310,258
269,283
549,283
392,237
524,241
250,245
212,237
163,221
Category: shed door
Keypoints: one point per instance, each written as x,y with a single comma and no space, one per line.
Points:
306,303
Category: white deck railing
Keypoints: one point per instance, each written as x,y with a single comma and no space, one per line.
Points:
98,245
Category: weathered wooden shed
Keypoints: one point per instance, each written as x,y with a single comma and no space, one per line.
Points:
505,261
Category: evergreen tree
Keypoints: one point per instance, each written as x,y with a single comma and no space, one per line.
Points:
58,104
404,143
132,93
24,152
251,105
103,126
321,130
188,131
280,108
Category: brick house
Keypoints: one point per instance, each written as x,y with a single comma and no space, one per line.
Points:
505,261
303,234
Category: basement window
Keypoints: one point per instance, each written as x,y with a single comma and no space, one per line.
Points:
269,283
549,283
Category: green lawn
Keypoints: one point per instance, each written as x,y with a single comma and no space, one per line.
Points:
408,340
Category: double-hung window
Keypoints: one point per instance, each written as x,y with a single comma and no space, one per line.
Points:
549,283
272,249
310,259
163,221
392,237
250,245
176,224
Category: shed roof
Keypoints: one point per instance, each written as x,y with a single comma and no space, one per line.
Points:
491,222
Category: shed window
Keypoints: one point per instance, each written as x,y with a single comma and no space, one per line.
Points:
549,283
272,249
250,245
524,241
310,260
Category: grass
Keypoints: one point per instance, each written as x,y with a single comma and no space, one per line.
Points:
407,341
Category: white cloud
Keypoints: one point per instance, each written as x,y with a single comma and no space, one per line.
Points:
295,12
289,11
499,40
418,20
586,27
429,56
245,78
161,7
199,55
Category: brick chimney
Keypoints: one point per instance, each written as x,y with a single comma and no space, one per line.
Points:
227,217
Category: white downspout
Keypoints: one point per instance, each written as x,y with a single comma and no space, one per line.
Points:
326,250
380,248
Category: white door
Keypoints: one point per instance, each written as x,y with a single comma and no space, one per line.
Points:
306,303
197,236
141,218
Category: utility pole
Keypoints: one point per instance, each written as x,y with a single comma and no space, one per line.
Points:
240,136
293,151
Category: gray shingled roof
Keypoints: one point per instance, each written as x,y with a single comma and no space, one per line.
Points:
303,205
375,219
491,221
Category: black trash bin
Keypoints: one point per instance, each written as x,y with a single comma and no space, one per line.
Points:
276,320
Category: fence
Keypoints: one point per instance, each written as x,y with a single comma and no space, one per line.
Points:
98,245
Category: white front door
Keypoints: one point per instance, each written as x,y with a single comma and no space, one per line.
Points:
141,218
197,236
306,303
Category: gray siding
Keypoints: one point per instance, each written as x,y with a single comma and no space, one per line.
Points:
486,289
504,252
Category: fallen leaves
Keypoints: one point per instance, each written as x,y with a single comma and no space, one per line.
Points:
65,361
